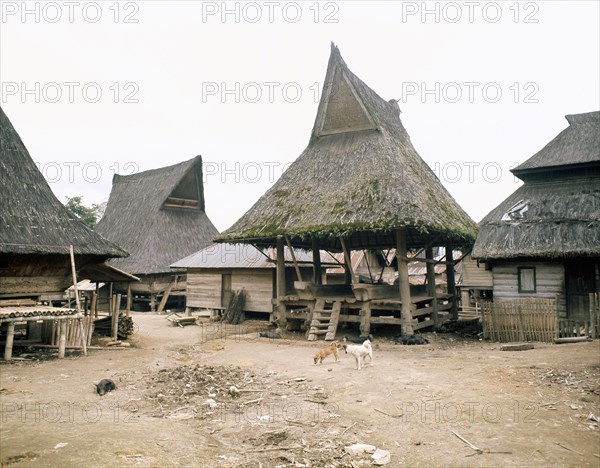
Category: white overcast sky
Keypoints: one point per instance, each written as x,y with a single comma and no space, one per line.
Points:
185,64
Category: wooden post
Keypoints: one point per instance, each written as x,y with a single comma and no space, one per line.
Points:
293,254
450,279
93,312
405,311
96,302
77,302
316,252
349,271
115,323
365,319
62,340
128,311
431,286
281,319
152,302
10,336
110,298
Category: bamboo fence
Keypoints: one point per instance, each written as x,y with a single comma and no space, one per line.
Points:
532,319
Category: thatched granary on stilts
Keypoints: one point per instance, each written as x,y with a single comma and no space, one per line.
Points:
159,217
359,184
41,243
543,241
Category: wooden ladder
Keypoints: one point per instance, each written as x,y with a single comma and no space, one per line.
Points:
324,321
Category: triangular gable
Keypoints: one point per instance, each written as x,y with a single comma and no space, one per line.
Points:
342,109
188,193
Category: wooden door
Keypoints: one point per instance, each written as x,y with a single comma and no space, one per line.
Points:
225,289
579,283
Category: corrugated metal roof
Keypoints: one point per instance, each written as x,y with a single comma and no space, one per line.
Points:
243,256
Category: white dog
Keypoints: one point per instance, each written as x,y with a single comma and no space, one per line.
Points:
360,353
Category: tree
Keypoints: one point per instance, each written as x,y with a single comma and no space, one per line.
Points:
89,215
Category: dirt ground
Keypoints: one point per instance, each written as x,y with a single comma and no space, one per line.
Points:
174,405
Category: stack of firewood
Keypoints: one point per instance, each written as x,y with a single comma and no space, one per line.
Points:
103,327
235,310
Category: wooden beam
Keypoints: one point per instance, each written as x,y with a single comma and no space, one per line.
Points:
450,279
293,254
77,302
405,310
165,297
316,252
281,309
348,261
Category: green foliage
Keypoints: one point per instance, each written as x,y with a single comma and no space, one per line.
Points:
89,215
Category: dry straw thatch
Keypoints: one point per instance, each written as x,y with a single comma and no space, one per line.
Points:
32,219
156,236
556,213
360,178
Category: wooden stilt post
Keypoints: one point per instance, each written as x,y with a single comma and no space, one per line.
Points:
10,336
405,311
281,319
128,311
62,339
77,302
115,323
110,298
96,303
93,313
152,302
431,286
316,252
450,279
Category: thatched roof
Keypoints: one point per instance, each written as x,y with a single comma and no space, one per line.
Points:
32,219
158,216
360,177
556,216
577,145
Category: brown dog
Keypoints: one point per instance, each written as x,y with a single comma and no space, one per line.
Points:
322,354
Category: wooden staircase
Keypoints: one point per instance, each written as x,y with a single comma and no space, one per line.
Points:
324,321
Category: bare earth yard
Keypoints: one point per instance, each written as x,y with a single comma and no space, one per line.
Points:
174,405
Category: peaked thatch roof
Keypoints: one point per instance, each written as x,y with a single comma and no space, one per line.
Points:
556,216
578,144
360,177
158,216
32,219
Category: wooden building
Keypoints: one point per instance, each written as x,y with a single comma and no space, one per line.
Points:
37,234
159,217
544,239
359,185
215,272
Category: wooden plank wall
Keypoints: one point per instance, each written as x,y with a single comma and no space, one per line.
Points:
550,279
203,289
259,288
474,276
